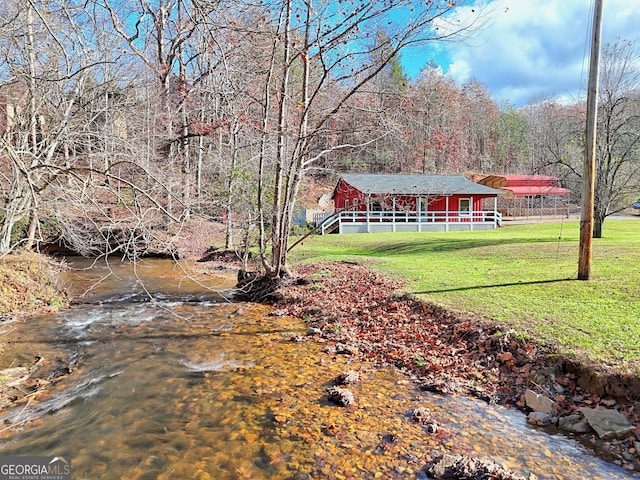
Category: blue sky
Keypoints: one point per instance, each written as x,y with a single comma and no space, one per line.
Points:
531,50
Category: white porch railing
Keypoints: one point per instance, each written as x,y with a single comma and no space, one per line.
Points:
398,221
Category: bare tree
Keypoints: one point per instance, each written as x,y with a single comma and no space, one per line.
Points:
556,135
552,140
323,55
131,111
68,156
510,149
617,177
159,37
45,62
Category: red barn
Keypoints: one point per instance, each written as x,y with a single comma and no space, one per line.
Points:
525,194
418,203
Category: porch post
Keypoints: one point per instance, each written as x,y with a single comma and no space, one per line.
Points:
446,213
495,212
368,212
393,218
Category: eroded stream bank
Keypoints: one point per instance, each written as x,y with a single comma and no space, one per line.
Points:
192,386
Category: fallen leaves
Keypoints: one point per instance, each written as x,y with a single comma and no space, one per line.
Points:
358,309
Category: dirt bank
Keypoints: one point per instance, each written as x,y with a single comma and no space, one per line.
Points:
28,283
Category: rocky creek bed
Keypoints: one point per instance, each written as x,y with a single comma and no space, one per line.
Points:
356,310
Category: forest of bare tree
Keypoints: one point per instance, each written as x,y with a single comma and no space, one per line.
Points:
121,121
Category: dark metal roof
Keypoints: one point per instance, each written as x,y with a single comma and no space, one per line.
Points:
405,184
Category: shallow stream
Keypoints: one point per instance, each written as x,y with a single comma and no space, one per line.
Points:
171,380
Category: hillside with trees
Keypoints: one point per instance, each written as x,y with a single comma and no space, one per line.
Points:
123,121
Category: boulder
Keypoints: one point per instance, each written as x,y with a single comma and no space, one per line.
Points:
575,423
539,403
541,419
346,349
462,467
421,415
608,424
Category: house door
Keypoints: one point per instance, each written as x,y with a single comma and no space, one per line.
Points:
464,209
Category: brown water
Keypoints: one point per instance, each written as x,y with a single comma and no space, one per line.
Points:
191,386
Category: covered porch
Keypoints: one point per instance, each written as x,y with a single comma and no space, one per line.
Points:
369,221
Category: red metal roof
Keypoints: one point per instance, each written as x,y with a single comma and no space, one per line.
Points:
537,190
529,178
526,185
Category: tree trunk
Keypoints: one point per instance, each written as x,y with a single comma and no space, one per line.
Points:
228,242
6,227
598,221
33,228
14,211
278,221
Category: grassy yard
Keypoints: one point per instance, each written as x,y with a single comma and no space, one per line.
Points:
521,275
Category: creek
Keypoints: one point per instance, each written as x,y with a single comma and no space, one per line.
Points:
170,379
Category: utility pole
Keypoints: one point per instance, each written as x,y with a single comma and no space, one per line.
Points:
588,177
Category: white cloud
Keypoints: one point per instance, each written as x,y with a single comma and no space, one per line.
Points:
530,50
460,70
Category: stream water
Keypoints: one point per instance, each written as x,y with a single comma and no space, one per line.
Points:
171,380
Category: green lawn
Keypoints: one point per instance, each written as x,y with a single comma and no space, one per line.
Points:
522,275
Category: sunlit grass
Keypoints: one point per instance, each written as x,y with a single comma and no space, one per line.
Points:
523,275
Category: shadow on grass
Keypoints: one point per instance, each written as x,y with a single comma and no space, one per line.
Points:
497,285
435,246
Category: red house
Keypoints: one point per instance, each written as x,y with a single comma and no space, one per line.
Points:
411,203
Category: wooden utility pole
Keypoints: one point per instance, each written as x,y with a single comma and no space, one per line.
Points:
588,177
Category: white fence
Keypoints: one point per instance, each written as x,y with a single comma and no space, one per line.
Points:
397,221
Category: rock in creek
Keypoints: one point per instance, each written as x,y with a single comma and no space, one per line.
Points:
608,424
313,331
539,403
347,378
450,386
422,415
541,419
575,423
346,349
340,396
462,467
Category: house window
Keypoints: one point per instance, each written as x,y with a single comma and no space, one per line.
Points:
464,206
376,205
